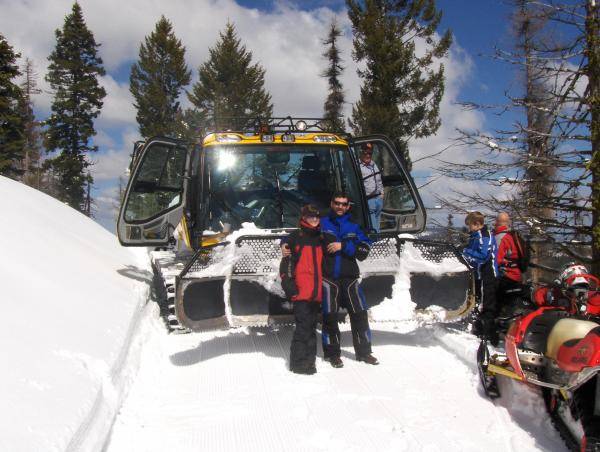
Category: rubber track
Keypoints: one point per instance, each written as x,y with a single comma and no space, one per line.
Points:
583,410
166,301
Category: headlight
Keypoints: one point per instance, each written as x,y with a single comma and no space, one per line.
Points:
228,138
301,126
267,138
325,139
226,160
288,138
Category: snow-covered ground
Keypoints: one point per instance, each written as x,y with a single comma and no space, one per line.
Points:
78,336
72,300
232,391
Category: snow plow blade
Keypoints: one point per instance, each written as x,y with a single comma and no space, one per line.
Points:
426,273
237,284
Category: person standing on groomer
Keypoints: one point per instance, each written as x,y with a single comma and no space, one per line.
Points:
371,177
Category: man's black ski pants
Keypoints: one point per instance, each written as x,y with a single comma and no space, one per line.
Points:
346,293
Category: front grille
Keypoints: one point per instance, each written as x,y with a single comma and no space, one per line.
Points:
257,255
202,262
384,248
436,252
261,255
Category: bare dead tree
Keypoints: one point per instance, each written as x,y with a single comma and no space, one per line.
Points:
31,164
546,165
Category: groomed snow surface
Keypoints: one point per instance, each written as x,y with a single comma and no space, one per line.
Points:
88,366
232,391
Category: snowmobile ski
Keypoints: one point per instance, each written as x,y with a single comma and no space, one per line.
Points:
488,381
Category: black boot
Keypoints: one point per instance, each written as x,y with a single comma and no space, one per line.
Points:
304,370
369,359
335,361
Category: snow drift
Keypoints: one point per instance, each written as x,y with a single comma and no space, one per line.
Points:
72,299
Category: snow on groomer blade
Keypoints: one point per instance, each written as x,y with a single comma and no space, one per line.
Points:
428,282
217,211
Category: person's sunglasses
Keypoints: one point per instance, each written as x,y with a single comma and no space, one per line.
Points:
367,153
341,204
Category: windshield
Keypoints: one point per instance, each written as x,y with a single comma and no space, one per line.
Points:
268,184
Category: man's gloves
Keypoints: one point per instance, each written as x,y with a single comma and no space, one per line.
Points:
362,251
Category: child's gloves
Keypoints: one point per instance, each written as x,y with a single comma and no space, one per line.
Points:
289,287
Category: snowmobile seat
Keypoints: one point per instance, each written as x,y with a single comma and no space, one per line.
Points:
568,332
538,330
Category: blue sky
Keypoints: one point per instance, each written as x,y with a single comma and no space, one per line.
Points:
284,36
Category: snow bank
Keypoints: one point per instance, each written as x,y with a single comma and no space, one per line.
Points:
72,299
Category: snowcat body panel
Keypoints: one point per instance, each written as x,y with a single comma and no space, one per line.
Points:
214,139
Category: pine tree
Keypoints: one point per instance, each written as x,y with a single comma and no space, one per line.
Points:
401,92
335,97
11,119
156,81
73,76
230,85
32,173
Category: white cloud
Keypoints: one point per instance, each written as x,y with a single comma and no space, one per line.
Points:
113,162
118,103
106,207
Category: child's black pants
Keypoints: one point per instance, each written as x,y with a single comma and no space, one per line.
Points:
304,342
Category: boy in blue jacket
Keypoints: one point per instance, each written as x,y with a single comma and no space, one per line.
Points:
480,254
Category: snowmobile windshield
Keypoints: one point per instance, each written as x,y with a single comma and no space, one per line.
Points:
268,184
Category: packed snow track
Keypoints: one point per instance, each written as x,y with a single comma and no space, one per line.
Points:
232,391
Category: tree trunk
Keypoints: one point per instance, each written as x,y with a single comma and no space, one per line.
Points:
592,25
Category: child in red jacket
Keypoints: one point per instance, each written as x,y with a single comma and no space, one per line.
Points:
301,279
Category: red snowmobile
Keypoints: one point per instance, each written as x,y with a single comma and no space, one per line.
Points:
557,347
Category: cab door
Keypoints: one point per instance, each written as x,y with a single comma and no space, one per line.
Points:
154,199
403,210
